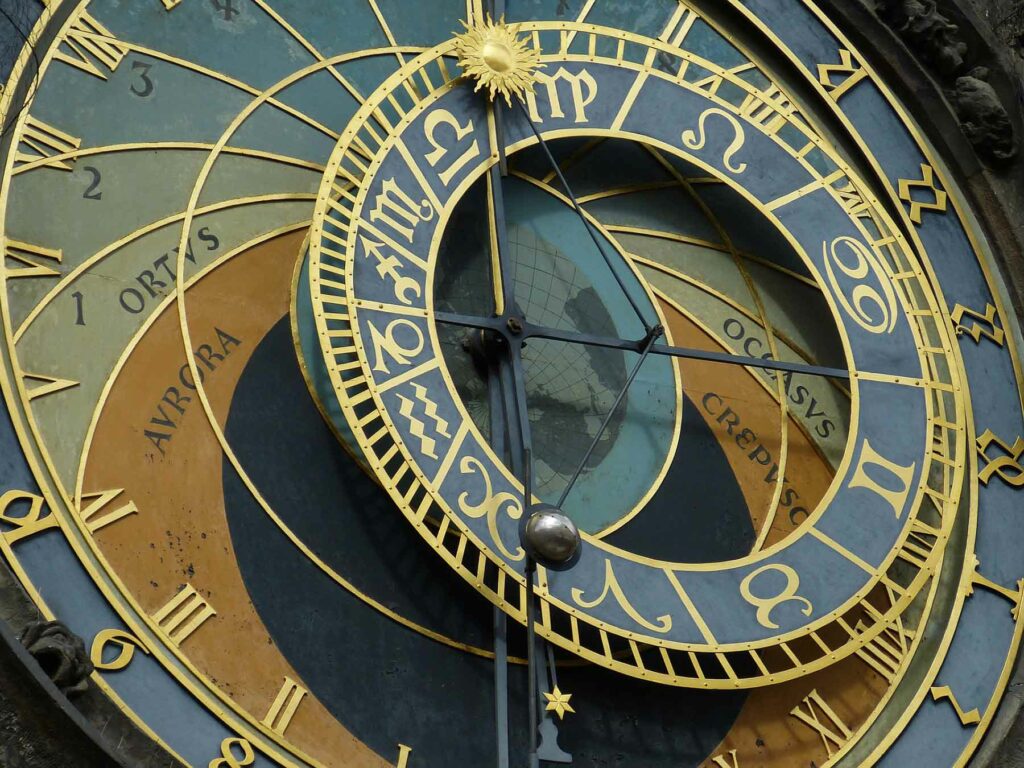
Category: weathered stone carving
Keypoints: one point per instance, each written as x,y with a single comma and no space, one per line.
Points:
931,35
982,116
937,41
61,654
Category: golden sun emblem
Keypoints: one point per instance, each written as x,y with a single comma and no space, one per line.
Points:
498,59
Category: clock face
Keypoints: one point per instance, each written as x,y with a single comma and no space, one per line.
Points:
308,307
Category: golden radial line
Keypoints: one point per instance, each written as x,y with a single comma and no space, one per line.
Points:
143,146
676,274
582,17
769,390
387,31
804,354
650,186
769,333
180,295
497,278
676,376
215,75
111,382
312,50
141,620
474,12
686,239
576,157
155,226
774,393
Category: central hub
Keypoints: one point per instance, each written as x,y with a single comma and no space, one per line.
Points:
497,56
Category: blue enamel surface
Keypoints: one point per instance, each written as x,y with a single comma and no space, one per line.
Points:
860,518
981,644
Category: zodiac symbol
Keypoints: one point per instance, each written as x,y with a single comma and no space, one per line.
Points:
228,759
491,505
386,344
697,139
418,427
765,605
872,310
115,638
611,584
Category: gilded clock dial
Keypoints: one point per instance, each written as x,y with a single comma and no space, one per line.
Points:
261,445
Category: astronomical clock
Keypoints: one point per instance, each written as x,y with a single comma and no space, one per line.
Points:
523,383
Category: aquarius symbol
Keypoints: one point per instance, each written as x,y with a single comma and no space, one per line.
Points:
418,427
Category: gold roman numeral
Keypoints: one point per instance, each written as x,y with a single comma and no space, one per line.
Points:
887,650
283,709
101,512
91,47
170,5
678,27
770,109
45,385
816,714
728,760
29,256
41,141
184,614
912,190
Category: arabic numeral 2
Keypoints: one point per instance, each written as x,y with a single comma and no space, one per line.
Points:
91,192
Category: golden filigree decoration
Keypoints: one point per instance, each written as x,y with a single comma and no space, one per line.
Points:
498,59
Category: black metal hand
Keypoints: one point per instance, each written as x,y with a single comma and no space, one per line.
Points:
586,222
652,337
527,331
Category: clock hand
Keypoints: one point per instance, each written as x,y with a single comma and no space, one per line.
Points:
501,266
522,331
586,223
654,334
508,366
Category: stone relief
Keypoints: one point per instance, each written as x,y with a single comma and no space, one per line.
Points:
937,42
984,120
61,654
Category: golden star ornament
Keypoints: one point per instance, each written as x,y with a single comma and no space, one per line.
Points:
558,703
499,60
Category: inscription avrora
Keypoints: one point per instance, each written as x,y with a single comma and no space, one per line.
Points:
769,599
